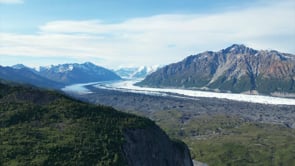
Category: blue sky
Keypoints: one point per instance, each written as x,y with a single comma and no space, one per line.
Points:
116,33
26,15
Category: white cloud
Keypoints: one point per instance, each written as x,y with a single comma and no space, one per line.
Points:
11,1
148,40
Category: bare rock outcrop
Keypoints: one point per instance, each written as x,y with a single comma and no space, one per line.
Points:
151,146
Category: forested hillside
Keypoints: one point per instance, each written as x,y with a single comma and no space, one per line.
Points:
47,128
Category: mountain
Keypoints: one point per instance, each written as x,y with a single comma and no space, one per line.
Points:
20,66
41,127
136,72
237,69
57,76
23,74
77,73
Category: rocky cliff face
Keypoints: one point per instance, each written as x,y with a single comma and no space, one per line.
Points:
151,146
236,69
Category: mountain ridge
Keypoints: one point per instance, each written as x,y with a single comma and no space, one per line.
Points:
28,76
57,76
72,73
237,69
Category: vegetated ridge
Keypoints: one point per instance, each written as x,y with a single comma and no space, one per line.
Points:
238,69
40,127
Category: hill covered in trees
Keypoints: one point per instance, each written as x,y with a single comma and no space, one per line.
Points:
40,127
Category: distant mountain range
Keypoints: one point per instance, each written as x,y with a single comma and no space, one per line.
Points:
135,72
59,75
78,73
236,69
27,76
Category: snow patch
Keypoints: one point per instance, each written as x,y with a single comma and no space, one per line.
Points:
135,72
63,69
232,49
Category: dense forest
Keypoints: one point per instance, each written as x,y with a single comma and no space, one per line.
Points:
47,128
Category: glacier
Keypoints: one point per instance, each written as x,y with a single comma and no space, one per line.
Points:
128,86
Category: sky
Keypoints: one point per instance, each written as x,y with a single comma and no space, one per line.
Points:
117,33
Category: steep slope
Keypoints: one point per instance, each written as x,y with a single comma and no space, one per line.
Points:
47,128
139,144
236,69
26,75
78,73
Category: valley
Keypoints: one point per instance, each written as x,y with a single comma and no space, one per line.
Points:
148,102
217,131
147,83
243,115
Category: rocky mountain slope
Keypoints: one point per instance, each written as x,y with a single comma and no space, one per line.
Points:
237,69
47,128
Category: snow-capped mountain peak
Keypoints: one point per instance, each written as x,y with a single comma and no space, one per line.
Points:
19,66
65,68
136,72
